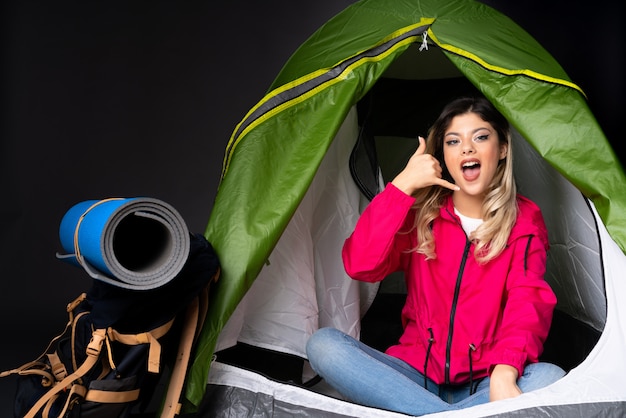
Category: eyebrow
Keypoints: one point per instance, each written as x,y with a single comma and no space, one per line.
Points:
473,132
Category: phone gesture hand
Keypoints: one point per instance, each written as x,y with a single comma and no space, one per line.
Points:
422,170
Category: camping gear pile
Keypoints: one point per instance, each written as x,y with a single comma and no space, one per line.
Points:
126,346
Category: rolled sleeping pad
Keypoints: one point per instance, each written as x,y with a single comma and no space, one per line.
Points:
134,243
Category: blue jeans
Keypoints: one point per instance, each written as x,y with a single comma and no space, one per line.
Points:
369,377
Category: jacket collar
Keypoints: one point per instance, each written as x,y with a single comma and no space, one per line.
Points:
529,219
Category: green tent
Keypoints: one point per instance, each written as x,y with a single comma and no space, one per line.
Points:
364,68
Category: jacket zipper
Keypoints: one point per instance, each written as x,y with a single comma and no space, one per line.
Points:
457,290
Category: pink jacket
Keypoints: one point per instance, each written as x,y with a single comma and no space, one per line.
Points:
460,318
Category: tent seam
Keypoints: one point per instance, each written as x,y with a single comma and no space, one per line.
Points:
505,71
391,43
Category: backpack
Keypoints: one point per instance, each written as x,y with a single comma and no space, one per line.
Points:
123,353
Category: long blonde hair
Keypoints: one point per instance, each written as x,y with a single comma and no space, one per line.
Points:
500,204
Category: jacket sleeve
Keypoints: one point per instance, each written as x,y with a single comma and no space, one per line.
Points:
375,246
529,307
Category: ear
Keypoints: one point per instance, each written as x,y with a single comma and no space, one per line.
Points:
504,151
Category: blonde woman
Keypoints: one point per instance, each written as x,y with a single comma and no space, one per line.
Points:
473,252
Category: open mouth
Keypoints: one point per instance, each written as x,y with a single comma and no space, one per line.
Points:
471,170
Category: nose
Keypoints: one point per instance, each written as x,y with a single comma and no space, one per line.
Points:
468,147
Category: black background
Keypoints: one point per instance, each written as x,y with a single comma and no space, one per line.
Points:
104,99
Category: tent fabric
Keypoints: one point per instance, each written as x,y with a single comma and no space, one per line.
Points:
259,396
299,293
574,267
278,148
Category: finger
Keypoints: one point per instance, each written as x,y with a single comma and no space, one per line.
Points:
448,185
422,145
437,168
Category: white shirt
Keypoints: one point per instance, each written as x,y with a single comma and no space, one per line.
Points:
469,224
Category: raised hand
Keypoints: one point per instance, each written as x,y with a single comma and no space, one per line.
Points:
422,170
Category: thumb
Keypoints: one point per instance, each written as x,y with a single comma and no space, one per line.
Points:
421,149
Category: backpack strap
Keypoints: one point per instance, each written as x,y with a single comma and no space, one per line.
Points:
33,367
194,320
104,396
39,367
149,337
57,367
93,353
172,405
77,391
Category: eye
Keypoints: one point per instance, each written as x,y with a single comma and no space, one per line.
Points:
482,137
451,142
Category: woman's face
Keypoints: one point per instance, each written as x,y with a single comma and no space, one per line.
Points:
472,151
